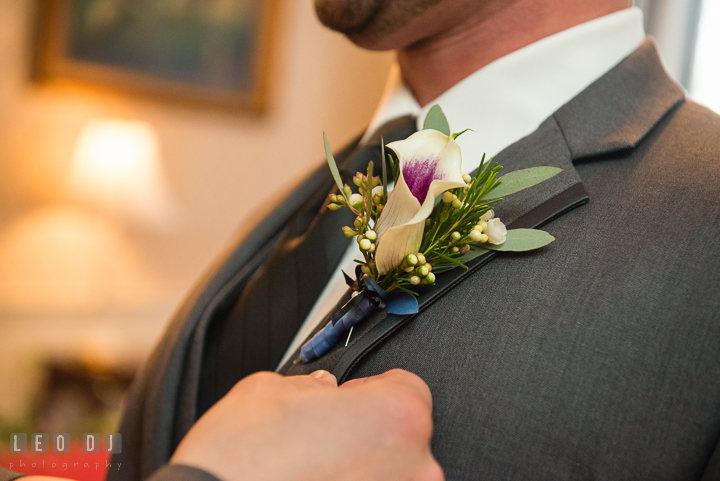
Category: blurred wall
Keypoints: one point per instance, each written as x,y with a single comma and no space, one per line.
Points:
75,282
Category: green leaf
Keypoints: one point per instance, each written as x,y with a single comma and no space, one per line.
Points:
333,168
455,136
521,240
450,259
367,200
435,119
521,179
384,170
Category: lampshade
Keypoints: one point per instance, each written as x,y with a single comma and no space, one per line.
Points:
116,165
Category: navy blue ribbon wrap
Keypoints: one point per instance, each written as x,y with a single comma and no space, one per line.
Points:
368,297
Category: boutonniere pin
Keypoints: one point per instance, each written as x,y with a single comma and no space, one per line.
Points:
436,218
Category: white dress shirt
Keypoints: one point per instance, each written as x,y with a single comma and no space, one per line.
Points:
502,102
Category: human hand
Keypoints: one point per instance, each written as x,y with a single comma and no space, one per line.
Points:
270,427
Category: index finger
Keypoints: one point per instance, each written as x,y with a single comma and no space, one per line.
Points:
395,379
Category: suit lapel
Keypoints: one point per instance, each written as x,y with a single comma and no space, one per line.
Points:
610,116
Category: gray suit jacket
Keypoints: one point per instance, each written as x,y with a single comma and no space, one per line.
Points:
597,357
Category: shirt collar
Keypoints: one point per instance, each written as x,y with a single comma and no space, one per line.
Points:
510,97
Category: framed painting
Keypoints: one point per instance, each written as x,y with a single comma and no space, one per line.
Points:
212,52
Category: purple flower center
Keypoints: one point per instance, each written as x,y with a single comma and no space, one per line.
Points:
419,174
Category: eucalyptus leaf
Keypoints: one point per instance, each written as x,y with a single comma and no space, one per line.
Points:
521,240
334,168
451,260
464,259
435,119
520,180
474,252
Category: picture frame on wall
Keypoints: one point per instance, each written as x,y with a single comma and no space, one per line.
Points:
205,52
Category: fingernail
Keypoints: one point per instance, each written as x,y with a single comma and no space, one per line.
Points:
321,374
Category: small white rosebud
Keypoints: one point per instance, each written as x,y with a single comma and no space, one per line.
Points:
496,231
377,190
466,178
409,269
429,266
457,203
483,238
371,249
488,215
475,235
465,249
411,259
360,237
356,200
481,225
370,234
422,271
454,250
365,244
366,270
447,197
421,259
430,278
455,237
414,280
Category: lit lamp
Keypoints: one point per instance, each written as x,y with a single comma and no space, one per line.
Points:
116,165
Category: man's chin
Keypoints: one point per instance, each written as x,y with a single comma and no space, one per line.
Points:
376,24
380,43
348,16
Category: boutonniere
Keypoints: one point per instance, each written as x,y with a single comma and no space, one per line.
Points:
435,218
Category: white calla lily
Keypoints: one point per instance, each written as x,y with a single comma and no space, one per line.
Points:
430,164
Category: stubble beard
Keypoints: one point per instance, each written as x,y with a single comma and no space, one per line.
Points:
367,22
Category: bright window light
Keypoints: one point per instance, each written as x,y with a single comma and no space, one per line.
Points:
705,82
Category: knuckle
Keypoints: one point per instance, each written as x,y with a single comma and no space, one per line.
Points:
434,472
256,380
412,418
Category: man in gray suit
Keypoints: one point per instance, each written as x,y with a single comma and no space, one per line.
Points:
597,357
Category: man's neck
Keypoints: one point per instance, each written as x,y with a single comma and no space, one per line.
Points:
433,65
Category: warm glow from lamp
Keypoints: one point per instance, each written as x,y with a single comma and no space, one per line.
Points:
117,166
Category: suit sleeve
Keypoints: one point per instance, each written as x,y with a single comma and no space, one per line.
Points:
7,475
